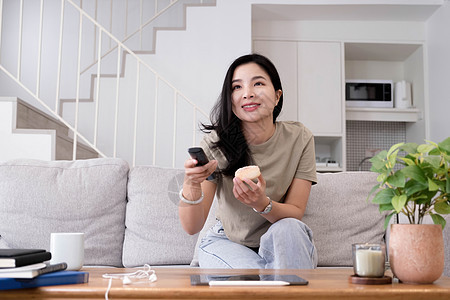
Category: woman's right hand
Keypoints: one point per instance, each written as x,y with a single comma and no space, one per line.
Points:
195,175
195,186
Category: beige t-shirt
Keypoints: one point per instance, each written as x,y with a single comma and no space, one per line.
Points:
288,154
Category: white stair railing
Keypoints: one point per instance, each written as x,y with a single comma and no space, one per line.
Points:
158,12
93,135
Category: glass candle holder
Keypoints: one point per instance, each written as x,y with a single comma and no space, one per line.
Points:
369,259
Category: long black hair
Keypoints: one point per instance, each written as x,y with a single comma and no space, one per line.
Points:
231,141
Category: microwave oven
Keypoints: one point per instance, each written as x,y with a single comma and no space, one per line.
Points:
369,93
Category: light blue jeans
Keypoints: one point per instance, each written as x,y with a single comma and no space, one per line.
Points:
287,244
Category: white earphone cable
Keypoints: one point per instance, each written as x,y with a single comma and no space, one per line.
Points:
109,287
147,272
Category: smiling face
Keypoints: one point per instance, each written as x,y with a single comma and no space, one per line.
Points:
253,94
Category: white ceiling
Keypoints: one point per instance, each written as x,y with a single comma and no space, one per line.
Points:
350,12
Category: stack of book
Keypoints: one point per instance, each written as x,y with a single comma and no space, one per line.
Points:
26,268
13,258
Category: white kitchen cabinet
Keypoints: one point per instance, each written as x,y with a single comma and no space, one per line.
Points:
311,75
320,87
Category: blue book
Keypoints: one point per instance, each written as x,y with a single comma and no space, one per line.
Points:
55,278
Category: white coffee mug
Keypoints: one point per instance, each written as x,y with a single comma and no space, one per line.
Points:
67,247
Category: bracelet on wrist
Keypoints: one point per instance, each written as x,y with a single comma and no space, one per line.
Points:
267,209
189,201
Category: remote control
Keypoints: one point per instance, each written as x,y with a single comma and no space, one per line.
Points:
198,154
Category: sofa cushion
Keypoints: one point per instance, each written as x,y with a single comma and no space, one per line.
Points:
154,234
339,215
40,197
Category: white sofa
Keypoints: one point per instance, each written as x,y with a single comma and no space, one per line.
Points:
130,216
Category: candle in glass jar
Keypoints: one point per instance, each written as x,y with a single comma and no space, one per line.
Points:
369,260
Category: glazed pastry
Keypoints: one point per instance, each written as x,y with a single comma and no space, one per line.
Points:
250,172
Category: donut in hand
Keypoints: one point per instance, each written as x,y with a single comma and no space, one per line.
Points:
250,172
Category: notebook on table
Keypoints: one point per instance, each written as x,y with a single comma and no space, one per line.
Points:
13,258
31,271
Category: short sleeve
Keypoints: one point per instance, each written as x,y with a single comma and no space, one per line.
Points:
307,164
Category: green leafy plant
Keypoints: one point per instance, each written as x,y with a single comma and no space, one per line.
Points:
420,187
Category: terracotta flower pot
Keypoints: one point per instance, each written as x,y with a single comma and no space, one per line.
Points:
416,252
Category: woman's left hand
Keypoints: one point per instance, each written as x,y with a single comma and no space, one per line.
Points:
250,193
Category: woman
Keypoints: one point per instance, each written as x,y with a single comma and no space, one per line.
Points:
258,223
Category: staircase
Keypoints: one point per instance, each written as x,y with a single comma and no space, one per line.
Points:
105,100
25,131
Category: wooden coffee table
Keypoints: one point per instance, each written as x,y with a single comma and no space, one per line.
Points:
324,283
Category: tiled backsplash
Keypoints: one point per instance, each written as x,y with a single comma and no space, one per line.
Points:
368,135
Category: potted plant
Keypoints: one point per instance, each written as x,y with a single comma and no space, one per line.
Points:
414,180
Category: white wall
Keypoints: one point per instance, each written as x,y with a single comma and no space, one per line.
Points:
438,38
195,60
